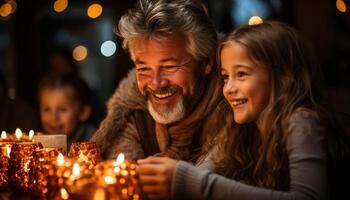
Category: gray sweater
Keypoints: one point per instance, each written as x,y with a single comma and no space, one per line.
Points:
307,164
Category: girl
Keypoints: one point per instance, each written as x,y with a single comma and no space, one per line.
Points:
65,107
283,144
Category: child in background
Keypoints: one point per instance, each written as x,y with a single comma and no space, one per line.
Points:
283,144
64,102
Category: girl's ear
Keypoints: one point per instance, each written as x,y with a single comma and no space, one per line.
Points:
85,113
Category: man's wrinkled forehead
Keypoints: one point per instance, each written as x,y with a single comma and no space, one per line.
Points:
177,40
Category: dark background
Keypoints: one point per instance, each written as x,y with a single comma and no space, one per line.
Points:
28,35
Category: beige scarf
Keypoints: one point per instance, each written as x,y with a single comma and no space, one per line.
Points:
174,141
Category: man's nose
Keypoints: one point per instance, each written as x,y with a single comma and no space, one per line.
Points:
157,81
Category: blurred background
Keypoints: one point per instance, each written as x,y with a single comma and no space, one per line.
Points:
38,36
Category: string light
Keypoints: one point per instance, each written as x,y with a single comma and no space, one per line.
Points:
80,53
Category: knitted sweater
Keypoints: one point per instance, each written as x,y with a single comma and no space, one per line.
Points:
307,164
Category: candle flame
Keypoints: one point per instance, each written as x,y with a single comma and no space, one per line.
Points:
64,193
120,159
31,134
60,159
3,135
8,150
18,133
110,180
76,170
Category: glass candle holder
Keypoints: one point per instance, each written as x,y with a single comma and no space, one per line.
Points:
120,180
4,163
20,168
42,165
86,152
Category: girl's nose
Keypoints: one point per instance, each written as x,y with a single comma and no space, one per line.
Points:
230,87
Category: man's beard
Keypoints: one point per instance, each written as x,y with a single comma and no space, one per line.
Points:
167,113
170,113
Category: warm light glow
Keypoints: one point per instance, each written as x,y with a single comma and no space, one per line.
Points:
124,172
13,5
26,166
94,10
117,170
64,194
3,135
31,134
79,53
18,133
60,5
110,180
60,159
341,6
6,9
76,170
254,20
124,191
82,157
8,150
108,48
119,160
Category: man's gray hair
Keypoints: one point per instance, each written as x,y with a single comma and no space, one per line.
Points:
156,19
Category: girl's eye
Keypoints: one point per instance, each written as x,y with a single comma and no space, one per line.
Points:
224,77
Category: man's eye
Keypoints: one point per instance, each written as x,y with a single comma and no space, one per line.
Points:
170,68
141,69
241,74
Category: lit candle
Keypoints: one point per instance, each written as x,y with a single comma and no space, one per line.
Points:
76,171
3,135
64,193
31,134
18,134
60,160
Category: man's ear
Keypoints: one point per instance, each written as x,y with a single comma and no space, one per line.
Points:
209,67
85,113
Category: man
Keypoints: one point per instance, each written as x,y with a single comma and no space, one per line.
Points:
173,98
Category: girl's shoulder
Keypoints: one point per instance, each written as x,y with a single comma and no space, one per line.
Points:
305,123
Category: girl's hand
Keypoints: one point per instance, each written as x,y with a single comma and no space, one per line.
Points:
155,175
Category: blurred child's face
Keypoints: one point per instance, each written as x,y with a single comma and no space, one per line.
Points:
59,110
246,84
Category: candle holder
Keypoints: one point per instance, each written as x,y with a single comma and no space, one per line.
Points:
42,165
4,163
85,152
20,169
67,177
120,181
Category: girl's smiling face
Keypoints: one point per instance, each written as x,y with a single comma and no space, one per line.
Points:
246,84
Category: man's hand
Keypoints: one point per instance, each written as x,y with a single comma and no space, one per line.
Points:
155,175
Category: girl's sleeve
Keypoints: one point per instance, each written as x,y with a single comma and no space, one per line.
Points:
307,163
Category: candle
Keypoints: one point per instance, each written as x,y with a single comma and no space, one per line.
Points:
31,135
3,135
4,159
18,134
86,153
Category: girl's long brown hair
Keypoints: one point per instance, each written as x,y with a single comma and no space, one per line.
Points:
255,153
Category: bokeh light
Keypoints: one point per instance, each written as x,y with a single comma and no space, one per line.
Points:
60,5
254,20
6,10
108,48
80,53
341,6
94,10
